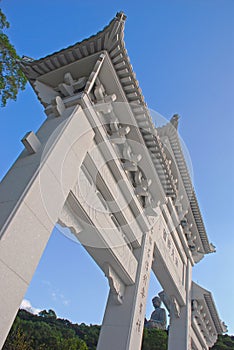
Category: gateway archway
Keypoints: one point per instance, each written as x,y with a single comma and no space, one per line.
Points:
99,166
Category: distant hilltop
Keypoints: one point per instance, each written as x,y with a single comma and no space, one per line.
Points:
47,331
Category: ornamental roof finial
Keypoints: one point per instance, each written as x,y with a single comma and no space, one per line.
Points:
175,120
121,16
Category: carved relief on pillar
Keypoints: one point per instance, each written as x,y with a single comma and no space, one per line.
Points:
117,287
68,219
171,248
167,252
146,263
176,307
127,258
171,304
92,201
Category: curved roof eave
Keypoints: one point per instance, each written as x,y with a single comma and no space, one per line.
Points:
171,132
109,39
208,298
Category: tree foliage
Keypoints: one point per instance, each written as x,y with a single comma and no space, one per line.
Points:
18,340
12,79
44,332
49,314
224,342
48,332
154,339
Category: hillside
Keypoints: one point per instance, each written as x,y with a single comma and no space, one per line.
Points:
48,332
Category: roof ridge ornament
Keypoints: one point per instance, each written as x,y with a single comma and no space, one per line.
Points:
121,16
175,120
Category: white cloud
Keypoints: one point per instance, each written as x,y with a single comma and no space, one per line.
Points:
55,293
66,302
59,297
26,305
54,296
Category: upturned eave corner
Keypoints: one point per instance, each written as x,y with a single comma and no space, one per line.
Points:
105,39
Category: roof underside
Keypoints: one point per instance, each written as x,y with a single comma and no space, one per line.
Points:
201,293
171,132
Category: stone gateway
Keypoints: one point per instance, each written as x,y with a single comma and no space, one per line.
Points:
99,166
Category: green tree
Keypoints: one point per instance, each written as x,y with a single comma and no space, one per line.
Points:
154,339
49,314
12,79
43,332
73,344
17,339
47,332
224,342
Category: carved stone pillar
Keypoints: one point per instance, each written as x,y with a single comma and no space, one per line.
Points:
123,323
180,319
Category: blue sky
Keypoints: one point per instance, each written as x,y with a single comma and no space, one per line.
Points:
182,52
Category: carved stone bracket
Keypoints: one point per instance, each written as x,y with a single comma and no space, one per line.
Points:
117,287
64,95
70,86
117,133
68,219
171,304
188,234
175,306
57,107
131,160
70,89
103,104
105,107
142,184
179,207
119,136
101,99
151,207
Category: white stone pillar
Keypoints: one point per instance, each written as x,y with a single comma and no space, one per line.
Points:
180,324
123,324
32,195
